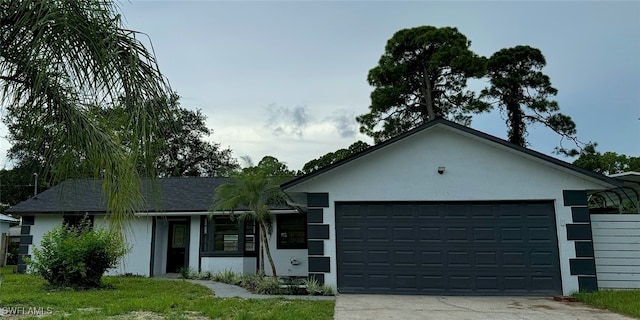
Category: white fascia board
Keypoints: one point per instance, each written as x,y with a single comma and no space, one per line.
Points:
205,213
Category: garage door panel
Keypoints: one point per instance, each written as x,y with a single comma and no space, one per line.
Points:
448,248
484,234
511,234
430,234
457,234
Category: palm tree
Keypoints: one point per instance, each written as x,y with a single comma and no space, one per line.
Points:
256,188
60,58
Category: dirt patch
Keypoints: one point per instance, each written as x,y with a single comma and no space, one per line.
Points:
542,306
138,315
148,315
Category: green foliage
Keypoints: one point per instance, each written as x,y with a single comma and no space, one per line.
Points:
422,75
333,157
606,163
77,256
313,286
256,188
619,301
519,88
58,59
148,298
268,285
227,276
12,253
186,272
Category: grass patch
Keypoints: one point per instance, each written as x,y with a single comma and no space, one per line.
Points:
620,301
145,298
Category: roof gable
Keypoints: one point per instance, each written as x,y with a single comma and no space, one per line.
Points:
478,135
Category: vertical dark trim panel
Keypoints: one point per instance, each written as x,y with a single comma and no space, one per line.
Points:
319,200
23,249
579,231
318,277
318,231
22,266
315,247
319,264
28,220
314,215
580,214
587,283
574,197
25,229
582,267
584,249
26,239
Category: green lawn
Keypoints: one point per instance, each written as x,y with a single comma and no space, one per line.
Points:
620,301
144,298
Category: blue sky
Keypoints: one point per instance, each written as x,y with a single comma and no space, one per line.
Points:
288,78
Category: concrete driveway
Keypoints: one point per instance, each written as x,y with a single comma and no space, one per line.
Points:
361,307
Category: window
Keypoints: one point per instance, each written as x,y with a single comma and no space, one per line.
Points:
292,231
225,235
221,236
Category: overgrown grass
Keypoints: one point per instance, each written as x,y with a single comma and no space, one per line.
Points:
135,297
620,301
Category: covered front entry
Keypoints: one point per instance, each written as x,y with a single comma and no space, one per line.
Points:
447,248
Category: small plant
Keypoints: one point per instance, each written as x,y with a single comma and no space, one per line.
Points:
269,285
313,286
185,272
227,276
77,256
250,282
326,290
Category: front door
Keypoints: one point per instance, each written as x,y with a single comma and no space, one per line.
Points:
177,246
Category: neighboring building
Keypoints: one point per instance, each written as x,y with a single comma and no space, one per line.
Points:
6,222
174,230
5,236
444,209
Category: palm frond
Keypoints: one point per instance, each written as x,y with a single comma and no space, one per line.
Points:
57,58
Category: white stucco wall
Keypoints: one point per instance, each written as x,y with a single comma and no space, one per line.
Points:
138,235
475,170
42,224
245,265
282,257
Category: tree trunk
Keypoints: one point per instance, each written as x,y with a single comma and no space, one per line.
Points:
427,92
265,241
261,255
516,119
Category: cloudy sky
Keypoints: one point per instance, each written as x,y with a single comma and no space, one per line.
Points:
288,78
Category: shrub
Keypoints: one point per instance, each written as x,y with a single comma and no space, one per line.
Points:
77,256
12,253
185,272
313,286
268,285
326,290
227,276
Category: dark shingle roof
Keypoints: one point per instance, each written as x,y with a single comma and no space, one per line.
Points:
162,195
